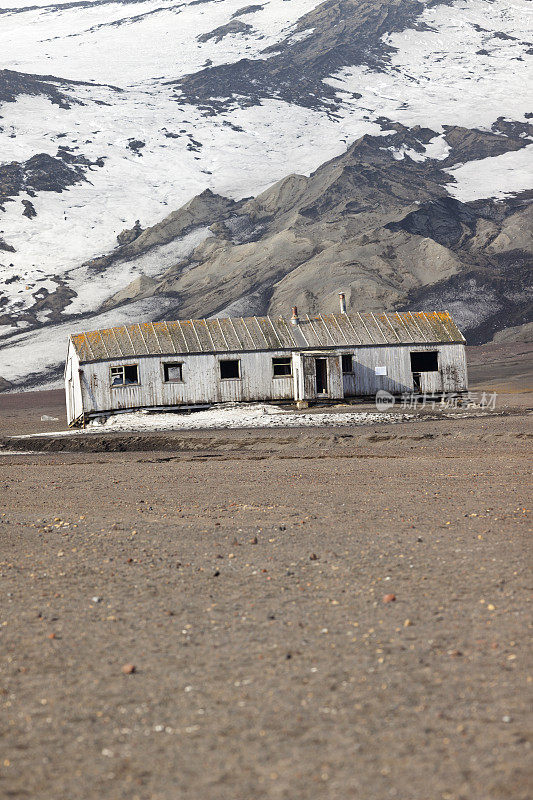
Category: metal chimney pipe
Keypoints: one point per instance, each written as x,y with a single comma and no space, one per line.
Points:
342,300
295,318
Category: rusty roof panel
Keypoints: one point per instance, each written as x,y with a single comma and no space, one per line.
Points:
448,323
285,332
164,338
132,336
349,331
217,335
81,347
96,344
191,340
334,336
178,340
269,332
433,325
374,329
149,337
229,334
388,328
202,334
314,332
413,332
111,343
265,333
424,326
241,332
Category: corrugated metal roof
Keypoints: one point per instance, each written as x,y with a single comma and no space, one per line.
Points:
265,333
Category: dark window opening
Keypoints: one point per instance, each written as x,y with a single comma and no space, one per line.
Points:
321,375
281,367
230,369
425,361
125,375
347,363
173,373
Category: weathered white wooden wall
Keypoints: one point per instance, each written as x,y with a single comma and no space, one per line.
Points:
451,377
73,392
91,389
201,382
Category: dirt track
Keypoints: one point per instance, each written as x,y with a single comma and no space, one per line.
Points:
243,575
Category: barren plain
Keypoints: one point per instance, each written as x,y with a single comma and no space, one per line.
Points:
269,615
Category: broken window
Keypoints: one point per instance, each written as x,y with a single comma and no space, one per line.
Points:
230,369
425,361
125,375
173,373
347,363
281,367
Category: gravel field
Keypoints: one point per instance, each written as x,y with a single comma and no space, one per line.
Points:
304,614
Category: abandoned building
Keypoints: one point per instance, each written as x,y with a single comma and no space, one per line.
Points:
301,358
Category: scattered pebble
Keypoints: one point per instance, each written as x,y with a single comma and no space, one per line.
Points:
129,669
389,598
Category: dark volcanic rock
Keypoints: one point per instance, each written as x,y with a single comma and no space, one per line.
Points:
43,173
8,248
471,145
246,10
341,33
13,84
136,145
29,209
230,28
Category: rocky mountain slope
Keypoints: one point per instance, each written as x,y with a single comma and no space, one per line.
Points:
378,146
384,229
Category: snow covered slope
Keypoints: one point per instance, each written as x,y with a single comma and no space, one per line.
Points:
116,111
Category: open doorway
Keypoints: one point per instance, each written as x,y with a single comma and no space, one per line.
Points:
423,361
321,366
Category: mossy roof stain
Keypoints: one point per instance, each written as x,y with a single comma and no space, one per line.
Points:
245,334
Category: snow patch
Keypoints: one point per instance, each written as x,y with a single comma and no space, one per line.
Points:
459,72
231,415
497,176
